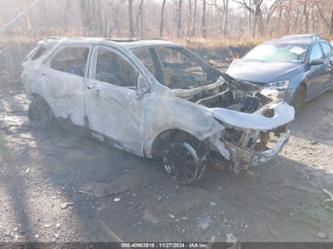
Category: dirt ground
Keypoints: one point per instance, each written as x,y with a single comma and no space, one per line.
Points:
61,186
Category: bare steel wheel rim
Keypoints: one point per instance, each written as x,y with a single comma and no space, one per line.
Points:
182,163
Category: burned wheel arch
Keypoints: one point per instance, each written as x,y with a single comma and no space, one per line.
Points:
162,140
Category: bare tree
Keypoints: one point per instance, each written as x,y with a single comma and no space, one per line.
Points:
224,11
179,18
189,18
331,24
139,23
203,23
258,24
327,24
162,18
91,16
194,19
130,18
225,17
67,5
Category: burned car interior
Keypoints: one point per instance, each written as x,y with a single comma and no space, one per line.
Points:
176,68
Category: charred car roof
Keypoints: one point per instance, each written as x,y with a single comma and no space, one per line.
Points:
125,43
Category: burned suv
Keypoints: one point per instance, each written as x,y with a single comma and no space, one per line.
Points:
155,99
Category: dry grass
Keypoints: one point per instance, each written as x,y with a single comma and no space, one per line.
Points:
216,43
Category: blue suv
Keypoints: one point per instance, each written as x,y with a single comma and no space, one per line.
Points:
296,67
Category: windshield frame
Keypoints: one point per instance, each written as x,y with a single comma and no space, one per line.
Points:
213,73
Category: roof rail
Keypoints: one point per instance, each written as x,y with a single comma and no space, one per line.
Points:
301,36
120,39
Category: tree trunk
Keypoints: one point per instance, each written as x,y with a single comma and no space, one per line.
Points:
225,17
179,18
250,19
162,19
139,21
67,5
203,26
331,25
306,16
189,19
142,18
194,19
130,18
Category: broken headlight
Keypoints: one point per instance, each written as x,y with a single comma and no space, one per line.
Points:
278,85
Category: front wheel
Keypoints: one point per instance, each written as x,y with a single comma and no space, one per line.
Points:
40,114
299,98
184,163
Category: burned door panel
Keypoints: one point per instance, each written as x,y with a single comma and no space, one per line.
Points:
112,106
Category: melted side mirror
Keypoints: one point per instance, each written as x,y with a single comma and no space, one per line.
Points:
143,87
316,62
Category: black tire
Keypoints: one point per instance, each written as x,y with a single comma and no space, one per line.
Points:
299,98
185,162
40,114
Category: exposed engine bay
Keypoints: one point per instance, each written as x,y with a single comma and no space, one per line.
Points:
255,125
234,96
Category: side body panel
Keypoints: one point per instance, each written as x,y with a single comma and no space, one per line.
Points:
64,92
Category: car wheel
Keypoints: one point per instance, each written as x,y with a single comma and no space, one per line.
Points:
40,114
184,162
299,98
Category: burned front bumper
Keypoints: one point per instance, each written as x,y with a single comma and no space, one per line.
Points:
250,139
243,155
247,157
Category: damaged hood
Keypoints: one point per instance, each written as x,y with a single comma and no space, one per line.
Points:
283,114
262,72
222,80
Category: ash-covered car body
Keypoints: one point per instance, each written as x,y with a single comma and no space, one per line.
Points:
154,98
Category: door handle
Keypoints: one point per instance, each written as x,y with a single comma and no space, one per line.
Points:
91,87
94,87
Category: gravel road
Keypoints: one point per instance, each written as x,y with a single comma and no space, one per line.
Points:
62,186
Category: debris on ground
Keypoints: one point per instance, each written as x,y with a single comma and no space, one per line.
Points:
313,142
322,235
328,203
171,216
330,195
204,222
65,205
231,238
150,217
212,203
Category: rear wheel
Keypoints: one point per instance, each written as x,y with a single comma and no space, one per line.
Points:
185,162
40,114
299,98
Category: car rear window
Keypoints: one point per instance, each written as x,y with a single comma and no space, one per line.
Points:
71,60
